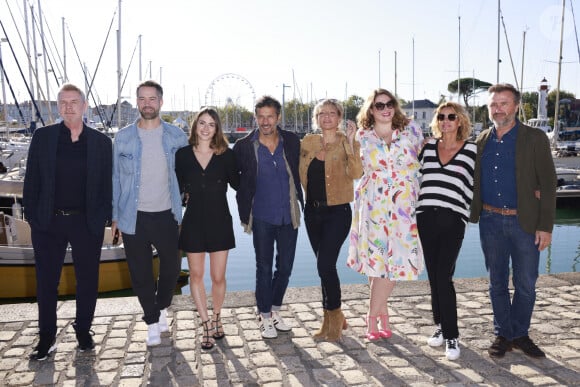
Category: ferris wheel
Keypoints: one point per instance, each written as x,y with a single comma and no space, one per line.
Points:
230,90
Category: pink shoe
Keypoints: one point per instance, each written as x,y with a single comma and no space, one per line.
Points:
372,336
384,332
372,333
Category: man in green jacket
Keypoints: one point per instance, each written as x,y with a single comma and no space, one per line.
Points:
514,200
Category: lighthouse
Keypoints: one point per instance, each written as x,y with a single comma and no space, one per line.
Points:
543,99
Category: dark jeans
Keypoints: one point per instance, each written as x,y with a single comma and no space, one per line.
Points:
157,229
502,238
441,231
270,289
327,229
49,253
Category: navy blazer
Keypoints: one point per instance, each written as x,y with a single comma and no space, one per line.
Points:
39,181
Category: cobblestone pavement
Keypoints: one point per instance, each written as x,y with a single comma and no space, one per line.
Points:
121,357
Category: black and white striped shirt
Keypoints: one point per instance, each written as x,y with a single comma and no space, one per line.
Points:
449,185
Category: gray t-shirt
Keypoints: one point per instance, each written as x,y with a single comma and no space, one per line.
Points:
154,193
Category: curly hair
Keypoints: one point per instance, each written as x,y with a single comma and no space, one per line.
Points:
365,117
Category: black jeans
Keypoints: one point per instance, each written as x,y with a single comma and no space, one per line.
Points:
327,229
157,229
441,232
49,254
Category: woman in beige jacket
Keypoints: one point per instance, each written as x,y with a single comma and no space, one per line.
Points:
329,162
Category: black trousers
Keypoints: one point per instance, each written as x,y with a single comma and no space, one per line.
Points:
157,229
441,232
327,229
49,253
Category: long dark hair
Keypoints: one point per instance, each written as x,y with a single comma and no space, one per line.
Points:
219,142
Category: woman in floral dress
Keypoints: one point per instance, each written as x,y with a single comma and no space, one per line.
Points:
384,242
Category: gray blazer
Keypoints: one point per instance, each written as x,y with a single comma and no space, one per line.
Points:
534,171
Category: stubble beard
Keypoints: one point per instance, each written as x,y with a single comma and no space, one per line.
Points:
149,115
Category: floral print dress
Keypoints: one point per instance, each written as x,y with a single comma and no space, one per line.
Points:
384,241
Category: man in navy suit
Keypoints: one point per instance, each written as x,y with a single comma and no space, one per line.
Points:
67,199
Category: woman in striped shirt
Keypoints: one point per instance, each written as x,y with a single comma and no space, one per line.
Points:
447,165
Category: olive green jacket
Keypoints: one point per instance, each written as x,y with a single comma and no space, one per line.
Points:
534,172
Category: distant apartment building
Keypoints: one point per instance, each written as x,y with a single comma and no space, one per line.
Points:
422,114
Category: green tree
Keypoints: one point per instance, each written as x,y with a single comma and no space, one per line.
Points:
468,88
167,118
234,116
563,108
352,106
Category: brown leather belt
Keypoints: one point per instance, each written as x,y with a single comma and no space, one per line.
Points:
501,211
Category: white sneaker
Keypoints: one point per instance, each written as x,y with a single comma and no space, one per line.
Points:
437,339
163,327
153,335
452,349
267,328
279,323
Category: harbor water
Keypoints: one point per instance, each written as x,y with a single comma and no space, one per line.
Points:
562,256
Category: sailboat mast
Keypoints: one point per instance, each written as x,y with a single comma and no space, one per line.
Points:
498,30
557,105
140,57
119,70
396,95
65,80
459,60
44,57
522,112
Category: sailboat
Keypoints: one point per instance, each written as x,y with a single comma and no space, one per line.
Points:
17,265
19,274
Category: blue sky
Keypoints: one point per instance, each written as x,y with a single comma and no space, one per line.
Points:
318,48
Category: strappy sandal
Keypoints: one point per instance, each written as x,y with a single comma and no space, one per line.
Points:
218,328
206,342
384,332
372,332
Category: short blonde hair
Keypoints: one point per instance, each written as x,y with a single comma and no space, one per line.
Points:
326,102
464,130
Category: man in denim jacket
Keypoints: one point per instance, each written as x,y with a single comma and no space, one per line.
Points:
147,205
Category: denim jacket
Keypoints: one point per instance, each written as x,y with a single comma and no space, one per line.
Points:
127,150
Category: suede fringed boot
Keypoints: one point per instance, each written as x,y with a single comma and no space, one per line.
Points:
336,324
323,331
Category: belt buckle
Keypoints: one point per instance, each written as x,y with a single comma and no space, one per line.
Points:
316,204
504,211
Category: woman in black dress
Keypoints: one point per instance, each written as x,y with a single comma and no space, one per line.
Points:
204,169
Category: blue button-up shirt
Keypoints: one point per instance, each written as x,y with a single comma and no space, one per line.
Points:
272,198
498,170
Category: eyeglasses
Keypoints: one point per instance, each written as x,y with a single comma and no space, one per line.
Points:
381,105
451,117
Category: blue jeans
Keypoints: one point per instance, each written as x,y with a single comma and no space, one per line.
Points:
502,238
270,289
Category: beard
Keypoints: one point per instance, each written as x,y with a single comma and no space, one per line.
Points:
149,114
